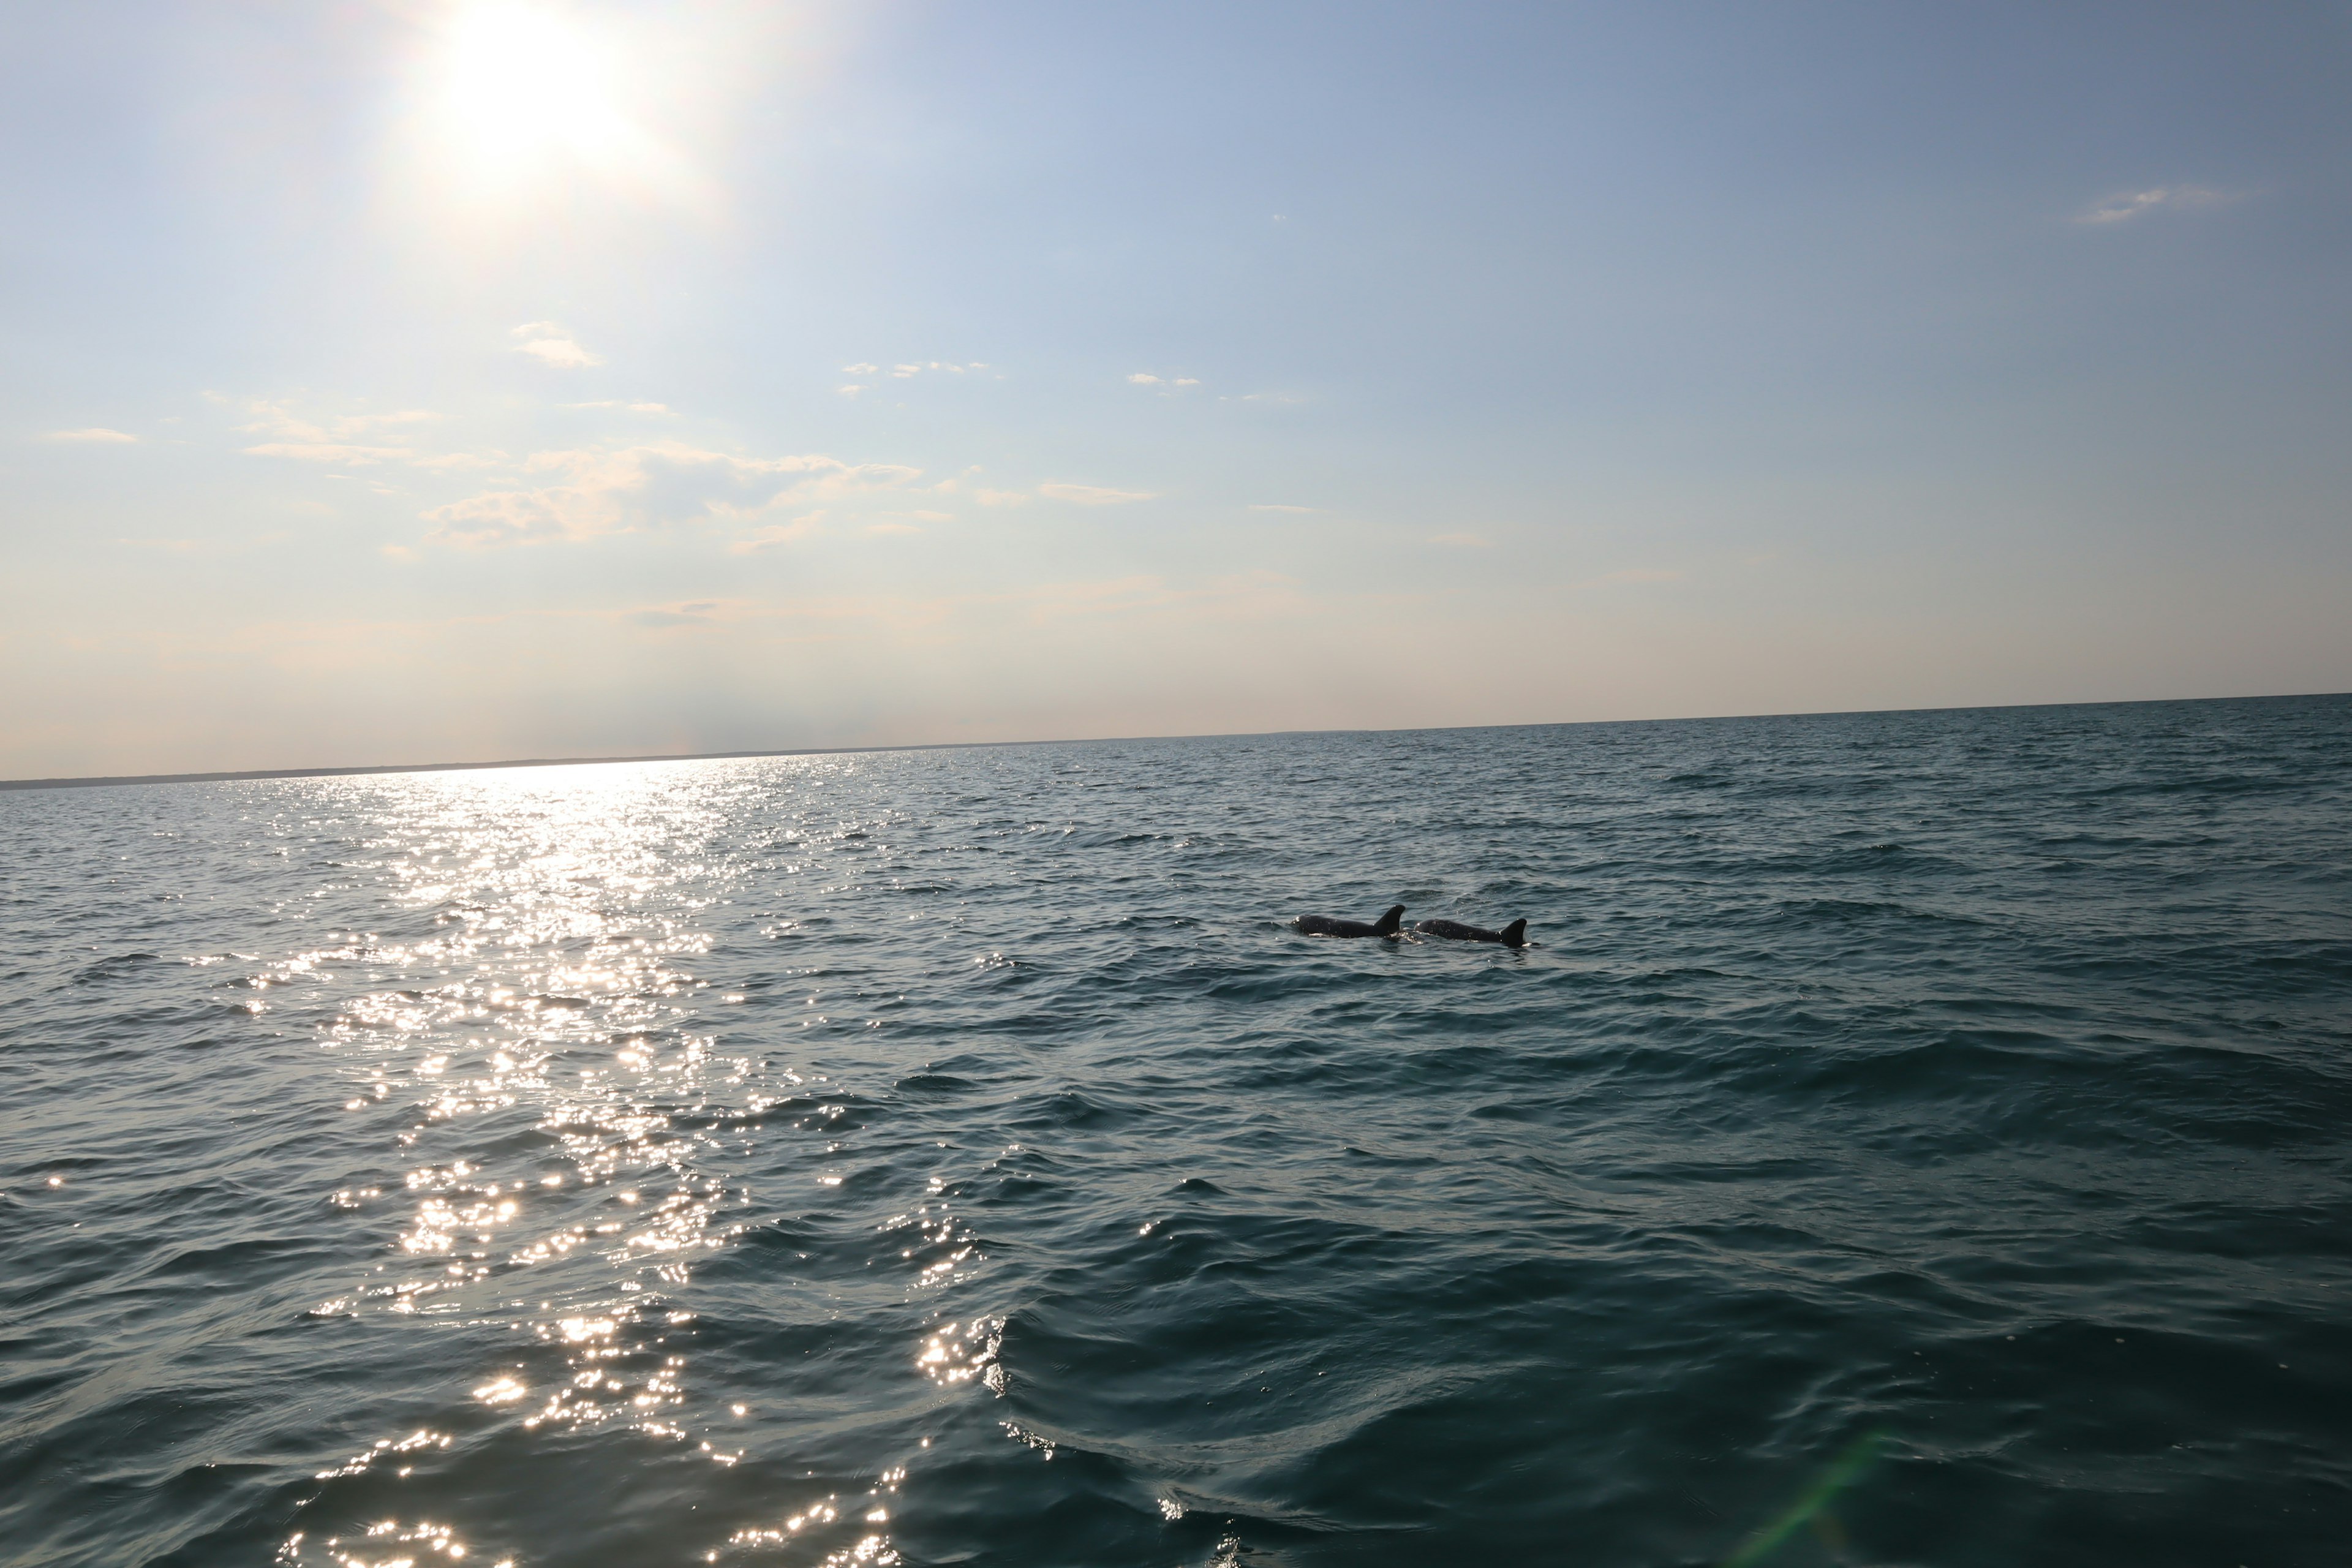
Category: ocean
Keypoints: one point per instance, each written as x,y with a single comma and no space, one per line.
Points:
1914,1138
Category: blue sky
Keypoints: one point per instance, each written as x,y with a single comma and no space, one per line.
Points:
425,380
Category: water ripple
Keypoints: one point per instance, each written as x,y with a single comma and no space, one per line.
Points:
955,1156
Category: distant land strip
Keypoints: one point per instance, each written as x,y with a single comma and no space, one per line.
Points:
265,773
262,773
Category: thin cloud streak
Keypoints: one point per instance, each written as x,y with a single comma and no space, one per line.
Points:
633,489
2134,203
553,345
1094,495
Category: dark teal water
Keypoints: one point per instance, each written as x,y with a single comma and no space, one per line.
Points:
952,1157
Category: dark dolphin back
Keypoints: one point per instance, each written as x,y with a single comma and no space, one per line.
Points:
1512,935
1324,925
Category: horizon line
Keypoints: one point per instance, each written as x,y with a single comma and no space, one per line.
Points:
100,781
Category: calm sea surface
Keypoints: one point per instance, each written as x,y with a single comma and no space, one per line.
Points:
1918,1138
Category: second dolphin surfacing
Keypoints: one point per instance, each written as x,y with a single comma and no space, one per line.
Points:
1512,935
1389,924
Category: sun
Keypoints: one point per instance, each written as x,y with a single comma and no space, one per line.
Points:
511,114
523,88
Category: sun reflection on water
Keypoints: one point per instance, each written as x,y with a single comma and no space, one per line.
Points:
560,1126
388,1544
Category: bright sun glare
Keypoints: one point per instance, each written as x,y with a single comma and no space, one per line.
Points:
522,87
520,108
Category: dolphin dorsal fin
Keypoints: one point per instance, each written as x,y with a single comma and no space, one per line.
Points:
1516,934
1392,923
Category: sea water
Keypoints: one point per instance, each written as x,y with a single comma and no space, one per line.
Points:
1915,1138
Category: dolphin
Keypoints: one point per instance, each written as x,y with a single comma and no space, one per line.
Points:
1512,935
1388,924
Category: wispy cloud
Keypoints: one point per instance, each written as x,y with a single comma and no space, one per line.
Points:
352,424
1142,378
97,434
612,490
2132,204
349,440
1277,506
329,438
554,345
342,455
1094,495
698,613
778,533
867,374
624,405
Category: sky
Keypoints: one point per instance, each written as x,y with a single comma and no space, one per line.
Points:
456,380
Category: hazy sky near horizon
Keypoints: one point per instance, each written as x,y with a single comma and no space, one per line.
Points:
436,380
